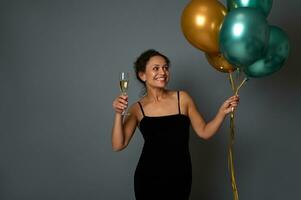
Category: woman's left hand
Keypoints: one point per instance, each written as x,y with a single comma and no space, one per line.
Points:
229,105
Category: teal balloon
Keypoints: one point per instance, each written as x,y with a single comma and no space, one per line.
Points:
264,6
243,37
275,57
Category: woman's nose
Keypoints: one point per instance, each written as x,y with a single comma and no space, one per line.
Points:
162,70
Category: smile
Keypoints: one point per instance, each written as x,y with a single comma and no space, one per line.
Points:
161,78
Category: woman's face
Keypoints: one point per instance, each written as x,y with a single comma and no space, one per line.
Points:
156,72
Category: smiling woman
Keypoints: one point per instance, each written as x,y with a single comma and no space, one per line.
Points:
164,118
145,58
157,72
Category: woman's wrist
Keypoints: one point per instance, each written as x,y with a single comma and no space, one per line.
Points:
118,115
221,114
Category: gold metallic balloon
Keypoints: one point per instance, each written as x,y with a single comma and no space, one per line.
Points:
201,22
219,62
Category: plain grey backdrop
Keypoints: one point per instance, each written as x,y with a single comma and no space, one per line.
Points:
59,65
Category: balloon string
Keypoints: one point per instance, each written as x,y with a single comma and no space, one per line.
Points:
232,139
232,82
230,157
241,84
233,86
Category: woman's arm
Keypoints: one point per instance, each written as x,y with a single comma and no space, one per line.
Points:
123,129
203,129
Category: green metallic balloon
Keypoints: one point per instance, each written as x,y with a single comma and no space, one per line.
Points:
275,57
244,36
264,6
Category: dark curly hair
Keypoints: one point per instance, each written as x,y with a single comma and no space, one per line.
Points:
140,63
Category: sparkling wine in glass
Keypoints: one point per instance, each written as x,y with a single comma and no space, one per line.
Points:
124,85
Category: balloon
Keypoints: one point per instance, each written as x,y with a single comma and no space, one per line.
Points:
201,21
219,62
264,6
244,36
272,61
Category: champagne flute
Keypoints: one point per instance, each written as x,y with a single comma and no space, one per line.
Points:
124,84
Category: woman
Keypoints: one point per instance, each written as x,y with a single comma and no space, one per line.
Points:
163,117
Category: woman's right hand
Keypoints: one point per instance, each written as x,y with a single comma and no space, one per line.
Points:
120,103
229,105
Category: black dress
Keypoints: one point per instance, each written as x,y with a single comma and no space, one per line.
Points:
164,168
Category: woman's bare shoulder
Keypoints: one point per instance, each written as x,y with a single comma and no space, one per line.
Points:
135,110
184,95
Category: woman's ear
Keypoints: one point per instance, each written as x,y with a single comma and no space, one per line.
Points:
142,76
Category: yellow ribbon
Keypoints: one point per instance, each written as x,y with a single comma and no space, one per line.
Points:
232,139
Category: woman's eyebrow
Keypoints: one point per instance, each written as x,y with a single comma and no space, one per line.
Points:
158,65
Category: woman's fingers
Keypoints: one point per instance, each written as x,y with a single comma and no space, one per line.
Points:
231,104
124,97
120,103
234,98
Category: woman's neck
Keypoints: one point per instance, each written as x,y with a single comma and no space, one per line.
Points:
156,94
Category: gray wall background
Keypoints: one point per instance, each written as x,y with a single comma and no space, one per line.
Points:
59,64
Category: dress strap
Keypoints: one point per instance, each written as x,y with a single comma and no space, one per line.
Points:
141,108
178,93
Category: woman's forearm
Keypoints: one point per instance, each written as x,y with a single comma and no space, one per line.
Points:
212,127
118,133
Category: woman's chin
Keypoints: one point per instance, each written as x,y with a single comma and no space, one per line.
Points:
162,86
159,86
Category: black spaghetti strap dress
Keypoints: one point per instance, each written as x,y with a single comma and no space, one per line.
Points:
164,168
